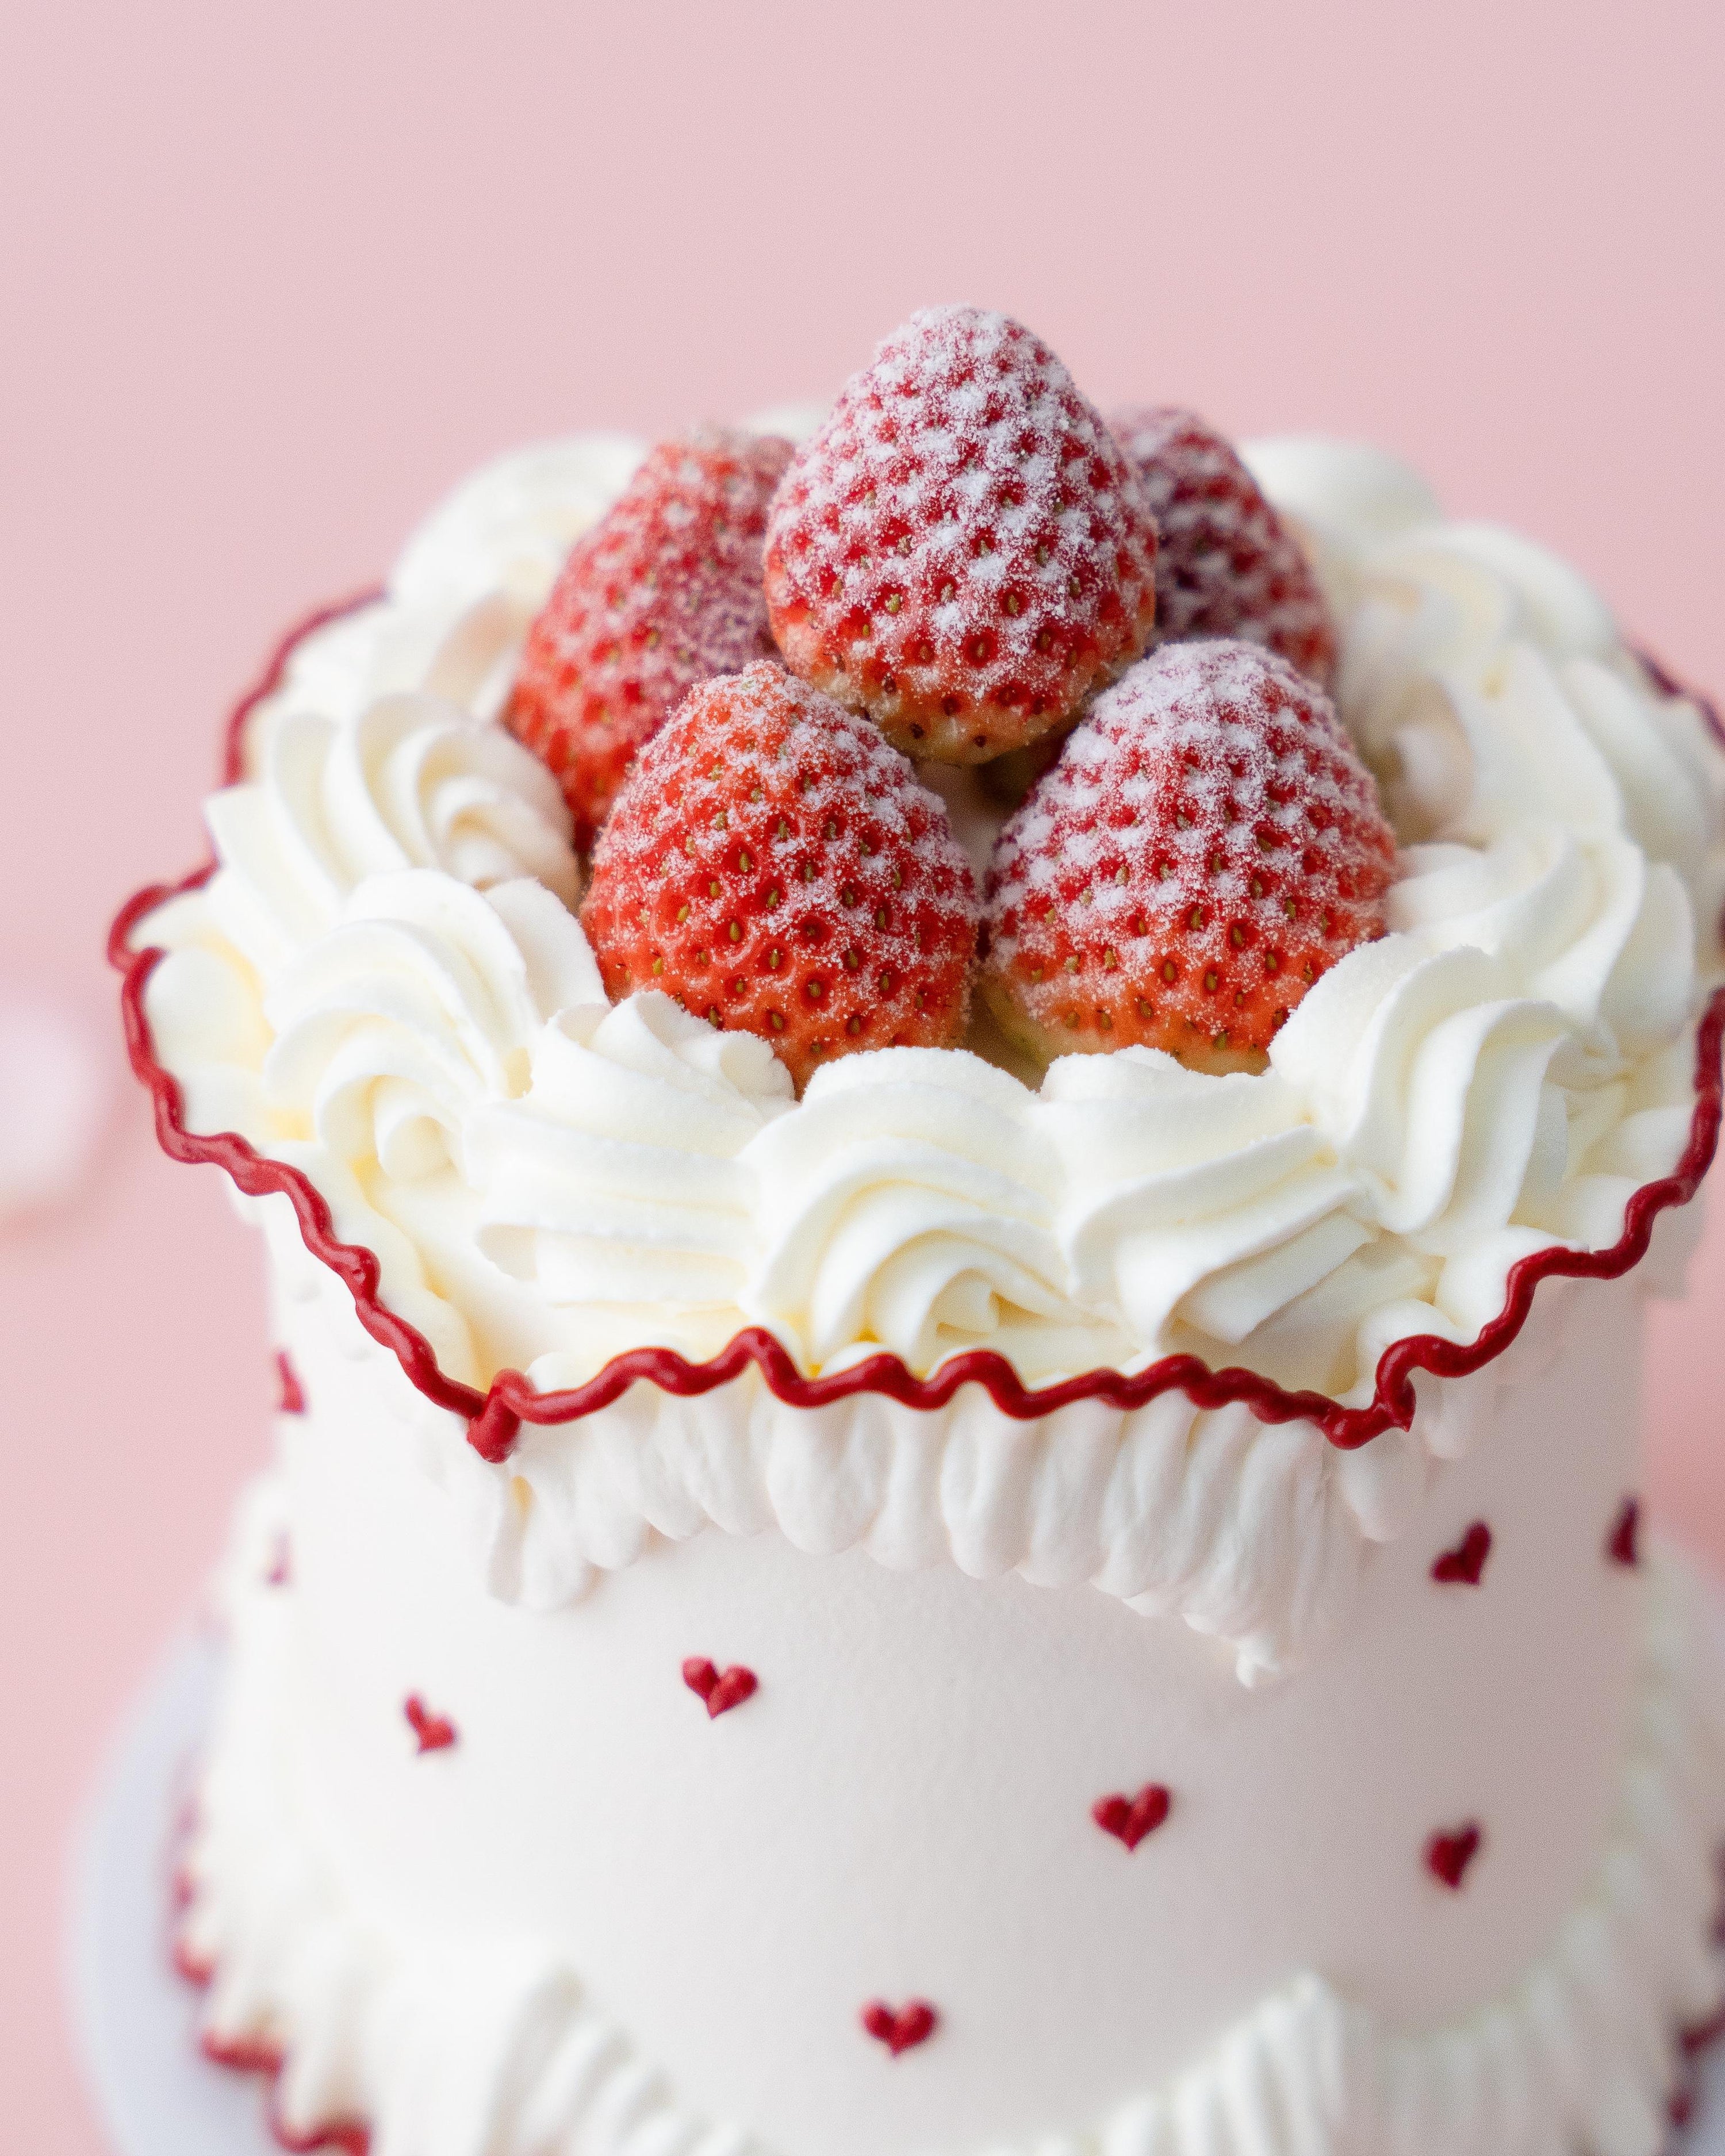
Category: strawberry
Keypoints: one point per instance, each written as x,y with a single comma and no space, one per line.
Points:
962,550
774,863
1209,843
1228,565
664,590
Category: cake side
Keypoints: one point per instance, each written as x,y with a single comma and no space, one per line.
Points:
502,1906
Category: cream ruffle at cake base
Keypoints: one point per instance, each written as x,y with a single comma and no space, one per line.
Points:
502,2053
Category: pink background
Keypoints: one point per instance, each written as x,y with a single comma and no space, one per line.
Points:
275,278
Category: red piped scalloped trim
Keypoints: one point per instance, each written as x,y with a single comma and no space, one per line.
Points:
351,2136
495,1416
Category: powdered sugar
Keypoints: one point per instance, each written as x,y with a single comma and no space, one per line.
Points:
774,862
1208,843
1227,565
962,550
665,591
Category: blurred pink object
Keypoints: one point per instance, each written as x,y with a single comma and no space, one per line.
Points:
56,1093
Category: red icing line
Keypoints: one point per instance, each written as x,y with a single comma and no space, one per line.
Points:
1448,1856
1622,1544
721,1691
436,1733
901,2029
254,2057
1461,1566
292,1399
348,2135
1130,1819
495,1416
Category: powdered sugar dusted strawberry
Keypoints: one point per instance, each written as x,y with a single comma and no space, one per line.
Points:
664,591
1227,566
1209,843
775,864
962,551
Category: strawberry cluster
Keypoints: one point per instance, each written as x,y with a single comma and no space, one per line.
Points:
965,564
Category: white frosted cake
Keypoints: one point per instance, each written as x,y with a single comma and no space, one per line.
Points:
959,1112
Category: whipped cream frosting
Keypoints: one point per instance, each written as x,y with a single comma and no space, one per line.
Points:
382,985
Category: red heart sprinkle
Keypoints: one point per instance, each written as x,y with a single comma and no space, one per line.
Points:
1622,1546
1461,1566
434,1731
291,1398
901,2031
281,1563
1448,1856
721,1689
1130,1819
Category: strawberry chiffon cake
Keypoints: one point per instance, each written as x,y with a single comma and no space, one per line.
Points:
961,1112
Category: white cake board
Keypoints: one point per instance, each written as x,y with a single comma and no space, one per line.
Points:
136,2020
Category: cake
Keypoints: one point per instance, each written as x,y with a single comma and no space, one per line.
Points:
962,1116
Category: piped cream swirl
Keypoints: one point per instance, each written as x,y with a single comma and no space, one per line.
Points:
410,781
905,1205
1498,1073
615,1179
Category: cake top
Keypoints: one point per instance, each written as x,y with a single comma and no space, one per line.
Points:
1302,1022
